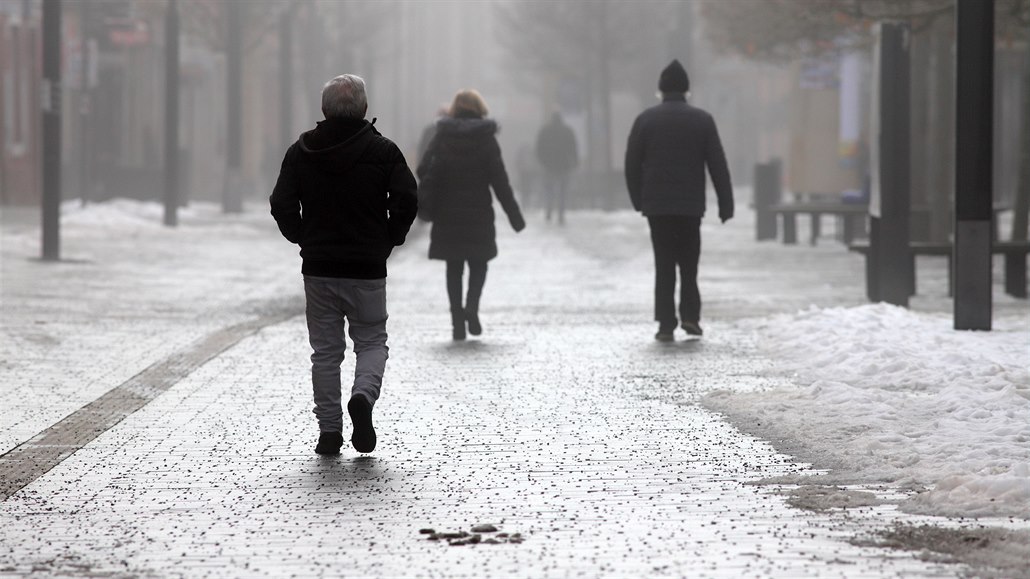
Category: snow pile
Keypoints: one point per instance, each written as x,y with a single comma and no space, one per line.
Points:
114,213
886,394
130,217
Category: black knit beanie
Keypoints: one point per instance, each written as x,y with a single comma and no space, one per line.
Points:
674,78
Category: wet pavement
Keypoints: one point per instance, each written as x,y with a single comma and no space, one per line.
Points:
565,423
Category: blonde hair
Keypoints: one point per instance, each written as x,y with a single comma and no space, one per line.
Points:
468,101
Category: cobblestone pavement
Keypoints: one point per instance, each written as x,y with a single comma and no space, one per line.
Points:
565,423
127,294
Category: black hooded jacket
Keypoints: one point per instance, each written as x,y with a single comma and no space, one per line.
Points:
346,195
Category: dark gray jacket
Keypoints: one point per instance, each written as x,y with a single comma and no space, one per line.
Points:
669,147
461,165
556,147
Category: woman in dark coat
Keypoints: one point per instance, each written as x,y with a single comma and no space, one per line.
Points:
461,164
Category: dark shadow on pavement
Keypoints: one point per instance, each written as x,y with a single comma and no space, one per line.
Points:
470,347
63,260
341,470
689,346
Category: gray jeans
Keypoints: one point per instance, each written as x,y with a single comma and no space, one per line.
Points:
362,303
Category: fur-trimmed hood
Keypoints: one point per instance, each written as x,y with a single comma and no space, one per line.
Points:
466,127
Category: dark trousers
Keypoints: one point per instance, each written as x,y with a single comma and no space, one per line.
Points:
556,186
677,242
477,278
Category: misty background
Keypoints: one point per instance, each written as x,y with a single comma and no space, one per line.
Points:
784,79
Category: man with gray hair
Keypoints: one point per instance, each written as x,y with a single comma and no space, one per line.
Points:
346,196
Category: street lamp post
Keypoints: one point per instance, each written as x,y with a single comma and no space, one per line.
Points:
232,198
171,193
51,166
286,87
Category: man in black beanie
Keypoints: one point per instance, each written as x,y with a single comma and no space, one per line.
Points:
669,148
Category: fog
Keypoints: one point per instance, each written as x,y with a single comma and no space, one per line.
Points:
596,62
804,402
780,88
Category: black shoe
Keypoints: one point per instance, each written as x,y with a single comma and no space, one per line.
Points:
364,436
329,443
475,328
692,328
664,336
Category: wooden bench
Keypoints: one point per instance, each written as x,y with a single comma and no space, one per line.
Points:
852,216
1015,253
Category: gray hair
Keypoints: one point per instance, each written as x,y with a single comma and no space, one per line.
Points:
344,96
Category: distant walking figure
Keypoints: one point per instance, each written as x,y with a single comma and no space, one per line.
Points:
346,195
669,147
556,150
460,166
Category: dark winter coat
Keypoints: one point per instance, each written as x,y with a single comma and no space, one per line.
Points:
345,195
669,147
461,165
556,147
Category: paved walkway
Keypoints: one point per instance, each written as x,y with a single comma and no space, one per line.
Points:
565,422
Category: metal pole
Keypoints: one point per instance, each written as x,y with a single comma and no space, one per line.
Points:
606,107
51,130
974,101
171,196
889,230
232,198
286,87
84,103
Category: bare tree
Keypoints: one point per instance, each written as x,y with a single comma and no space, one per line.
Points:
786,29
204,20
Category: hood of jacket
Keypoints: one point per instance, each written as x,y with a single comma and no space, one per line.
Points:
466,127
335,145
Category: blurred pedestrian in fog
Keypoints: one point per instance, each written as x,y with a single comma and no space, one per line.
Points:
556,150
460,166
526,170
669,147
345,195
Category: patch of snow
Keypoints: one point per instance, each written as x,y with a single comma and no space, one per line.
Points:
887,394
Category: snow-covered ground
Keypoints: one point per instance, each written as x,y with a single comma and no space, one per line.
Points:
878,393
886,394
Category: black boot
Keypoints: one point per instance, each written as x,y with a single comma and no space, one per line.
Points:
329,443
477,278
472,317
455,269
458,325
364,436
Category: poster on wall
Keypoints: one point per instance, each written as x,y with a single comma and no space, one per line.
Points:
850,109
